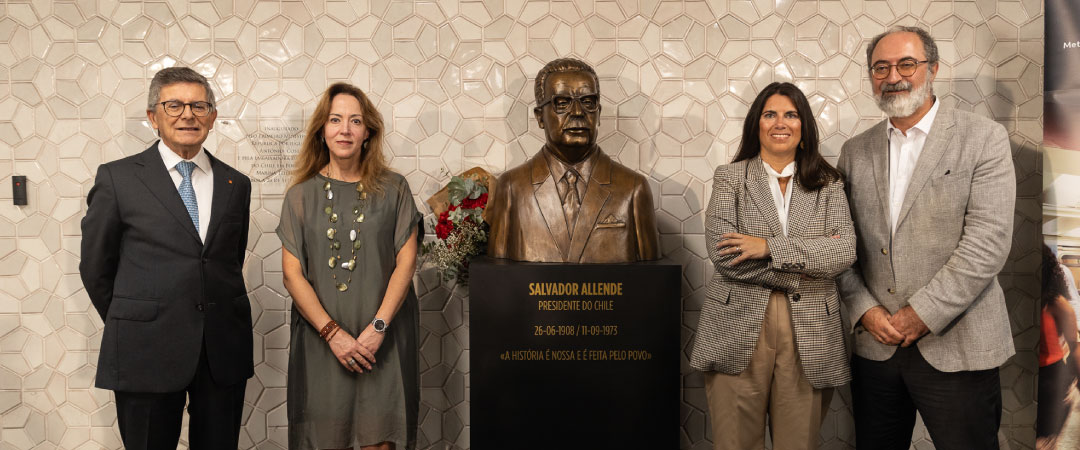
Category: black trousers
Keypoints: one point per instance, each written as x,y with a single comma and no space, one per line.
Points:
961,410
151,421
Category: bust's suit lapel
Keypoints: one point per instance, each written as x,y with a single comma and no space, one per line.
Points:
597,194
937,142
223,190
547,200
155,176
757,184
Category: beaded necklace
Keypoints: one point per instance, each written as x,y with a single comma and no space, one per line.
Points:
335,261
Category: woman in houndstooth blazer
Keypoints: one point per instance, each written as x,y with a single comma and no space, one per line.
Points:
778,230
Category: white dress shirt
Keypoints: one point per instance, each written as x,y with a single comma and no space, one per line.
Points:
202,181
782,199
904,151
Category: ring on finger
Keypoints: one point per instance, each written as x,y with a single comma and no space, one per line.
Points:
352,362
738,248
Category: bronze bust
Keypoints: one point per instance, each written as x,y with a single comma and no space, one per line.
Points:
571,202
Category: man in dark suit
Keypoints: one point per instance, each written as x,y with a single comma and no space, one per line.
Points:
163,245
571,202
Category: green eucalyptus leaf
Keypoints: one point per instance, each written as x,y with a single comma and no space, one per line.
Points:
457,189
477,190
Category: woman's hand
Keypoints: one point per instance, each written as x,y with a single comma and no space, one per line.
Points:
350,353
370,340
745,246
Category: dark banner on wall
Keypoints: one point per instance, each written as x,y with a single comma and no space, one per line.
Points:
1058,422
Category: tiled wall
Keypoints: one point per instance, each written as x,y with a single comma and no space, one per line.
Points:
454,81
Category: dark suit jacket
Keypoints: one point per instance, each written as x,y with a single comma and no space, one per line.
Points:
615,223
160,291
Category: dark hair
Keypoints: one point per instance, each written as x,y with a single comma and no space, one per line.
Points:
812,170
1053,277
557,66
929,46
173,75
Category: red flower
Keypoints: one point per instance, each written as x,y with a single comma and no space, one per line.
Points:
479,202
445,226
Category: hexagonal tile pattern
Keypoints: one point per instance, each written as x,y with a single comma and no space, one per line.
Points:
454,83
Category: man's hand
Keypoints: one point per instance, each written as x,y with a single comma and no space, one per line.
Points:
908,322
878,322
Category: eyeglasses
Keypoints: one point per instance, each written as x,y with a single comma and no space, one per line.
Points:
906,68
175,108
563,103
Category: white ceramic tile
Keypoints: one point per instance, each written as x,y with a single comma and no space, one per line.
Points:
331,50
733,50
610,11
765,49
744,10
674,133
811,28
839,11
811,50
58,30
881,11
159,12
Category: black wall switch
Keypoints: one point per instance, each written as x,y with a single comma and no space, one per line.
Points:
18,189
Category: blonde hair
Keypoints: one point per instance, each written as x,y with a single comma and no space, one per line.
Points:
314,154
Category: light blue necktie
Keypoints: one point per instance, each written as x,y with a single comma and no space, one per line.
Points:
187,192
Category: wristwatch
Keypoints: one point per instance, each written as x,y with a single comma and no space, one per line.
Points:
379,325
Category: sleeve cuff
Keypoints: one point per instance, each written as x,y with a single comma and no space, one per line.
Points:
930,315
787,281
783,255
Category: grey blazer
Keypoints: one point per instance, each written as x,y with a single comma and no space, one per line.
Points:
952,237
819,245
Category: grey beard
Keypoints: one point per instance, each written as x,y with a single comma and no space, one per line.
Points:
903,105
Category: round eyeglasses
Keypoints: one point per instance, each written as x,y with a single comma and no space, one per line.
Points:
175,108
906,68
563,103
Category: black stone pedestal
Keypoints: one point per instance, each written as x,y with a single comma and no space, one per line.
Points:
574,355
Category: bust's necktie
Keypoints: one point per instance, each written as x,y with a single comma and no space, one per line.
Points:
571,199
187,192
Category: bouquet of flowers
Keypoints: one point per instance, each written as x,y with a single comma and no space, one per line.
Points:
461,230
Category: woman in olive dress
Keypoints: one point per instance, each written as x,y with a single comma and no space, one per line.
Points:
349,232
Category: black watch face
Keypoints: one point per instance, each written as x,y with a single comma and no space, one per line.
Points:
380,325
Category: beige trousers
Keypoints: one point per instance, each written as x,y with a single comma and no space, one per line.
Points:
772,390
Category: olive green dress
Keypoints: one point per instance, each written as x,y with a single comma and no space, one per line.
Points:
328,406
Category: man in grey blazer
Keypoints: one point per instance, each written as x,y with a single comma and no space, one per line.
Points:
932,191
163,244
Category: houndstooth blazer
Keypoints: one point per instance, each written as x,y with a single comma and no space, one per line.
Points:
820,244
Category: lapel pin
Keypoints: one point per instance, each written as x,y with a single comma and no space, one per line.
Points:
230,180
